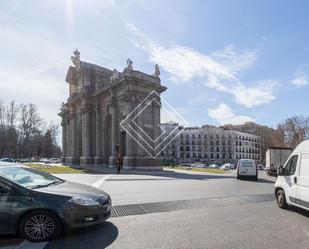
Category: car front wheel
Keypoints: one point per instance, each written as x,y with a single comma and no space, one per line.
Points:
281,201
40,226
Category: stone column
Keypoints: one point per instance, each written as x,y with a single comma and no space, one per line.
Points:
104,142
87,158
130,157
64,139
98,160
74,155
68,140
112,159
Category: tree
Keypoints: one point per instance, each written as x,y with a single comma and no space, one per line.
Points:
30,122
294,130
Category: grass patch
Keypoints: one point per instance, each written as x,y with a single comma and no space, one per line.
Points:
217,171
55,169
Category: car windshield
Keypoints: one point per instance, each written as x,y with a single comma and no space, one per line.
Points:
28,177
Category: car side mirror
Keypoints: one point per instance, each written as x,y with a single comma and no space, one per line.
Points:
280,171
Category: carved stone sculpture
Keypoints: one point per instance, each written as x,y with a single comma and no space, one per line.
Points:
157,71
129,66
115,76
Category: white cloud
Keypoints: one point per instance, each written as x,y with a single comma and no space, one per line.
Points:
223,114
221,69
300,80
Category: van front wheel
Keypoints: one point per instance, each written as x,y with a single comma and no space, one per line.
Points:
281,201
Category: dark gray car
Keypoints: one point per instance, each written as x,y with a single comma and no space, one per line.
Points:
40,206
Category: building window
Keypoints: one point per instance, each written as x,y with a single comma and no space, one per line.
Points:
187,155
218,155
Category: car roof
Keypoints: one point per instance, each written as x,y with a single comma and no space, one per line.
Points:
302,147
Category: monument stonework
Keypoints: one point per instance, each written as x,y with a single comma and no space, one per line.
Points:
99,100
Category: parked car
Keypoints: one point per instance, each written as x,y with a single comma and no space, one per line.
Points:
261,167
40,206
247,168
292,184
25,160
200,165
213,166
232,166
226,166
185,164
8,160
53,160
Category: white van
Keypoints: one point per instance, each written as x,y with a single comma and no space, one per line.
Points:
292,185
247,168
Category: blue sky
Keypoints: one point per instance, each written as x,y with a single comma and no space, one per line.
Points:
222,61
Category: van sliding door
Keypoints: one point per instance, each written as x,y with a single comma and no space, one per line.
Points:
303,181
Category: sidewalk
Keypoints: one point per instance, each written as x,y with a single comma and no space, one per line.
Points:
106,170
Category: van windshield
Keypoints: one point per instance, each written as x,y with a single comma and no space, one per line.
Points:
247,163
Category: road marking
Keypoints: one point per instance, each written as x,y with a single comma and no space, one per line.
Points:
29,245
99,182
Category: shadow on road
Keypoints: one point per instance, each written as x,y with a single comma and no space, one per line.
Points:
9,240
184,175
298,210
95,237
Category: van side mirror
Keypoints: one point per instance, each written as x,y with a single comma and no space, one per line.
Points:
280,171
3,190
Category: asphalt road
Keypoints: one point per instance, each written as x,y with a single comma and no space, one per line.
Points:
186,210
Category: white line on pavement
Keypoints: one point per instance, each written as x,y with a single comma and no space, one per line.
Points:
29,245
99,182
